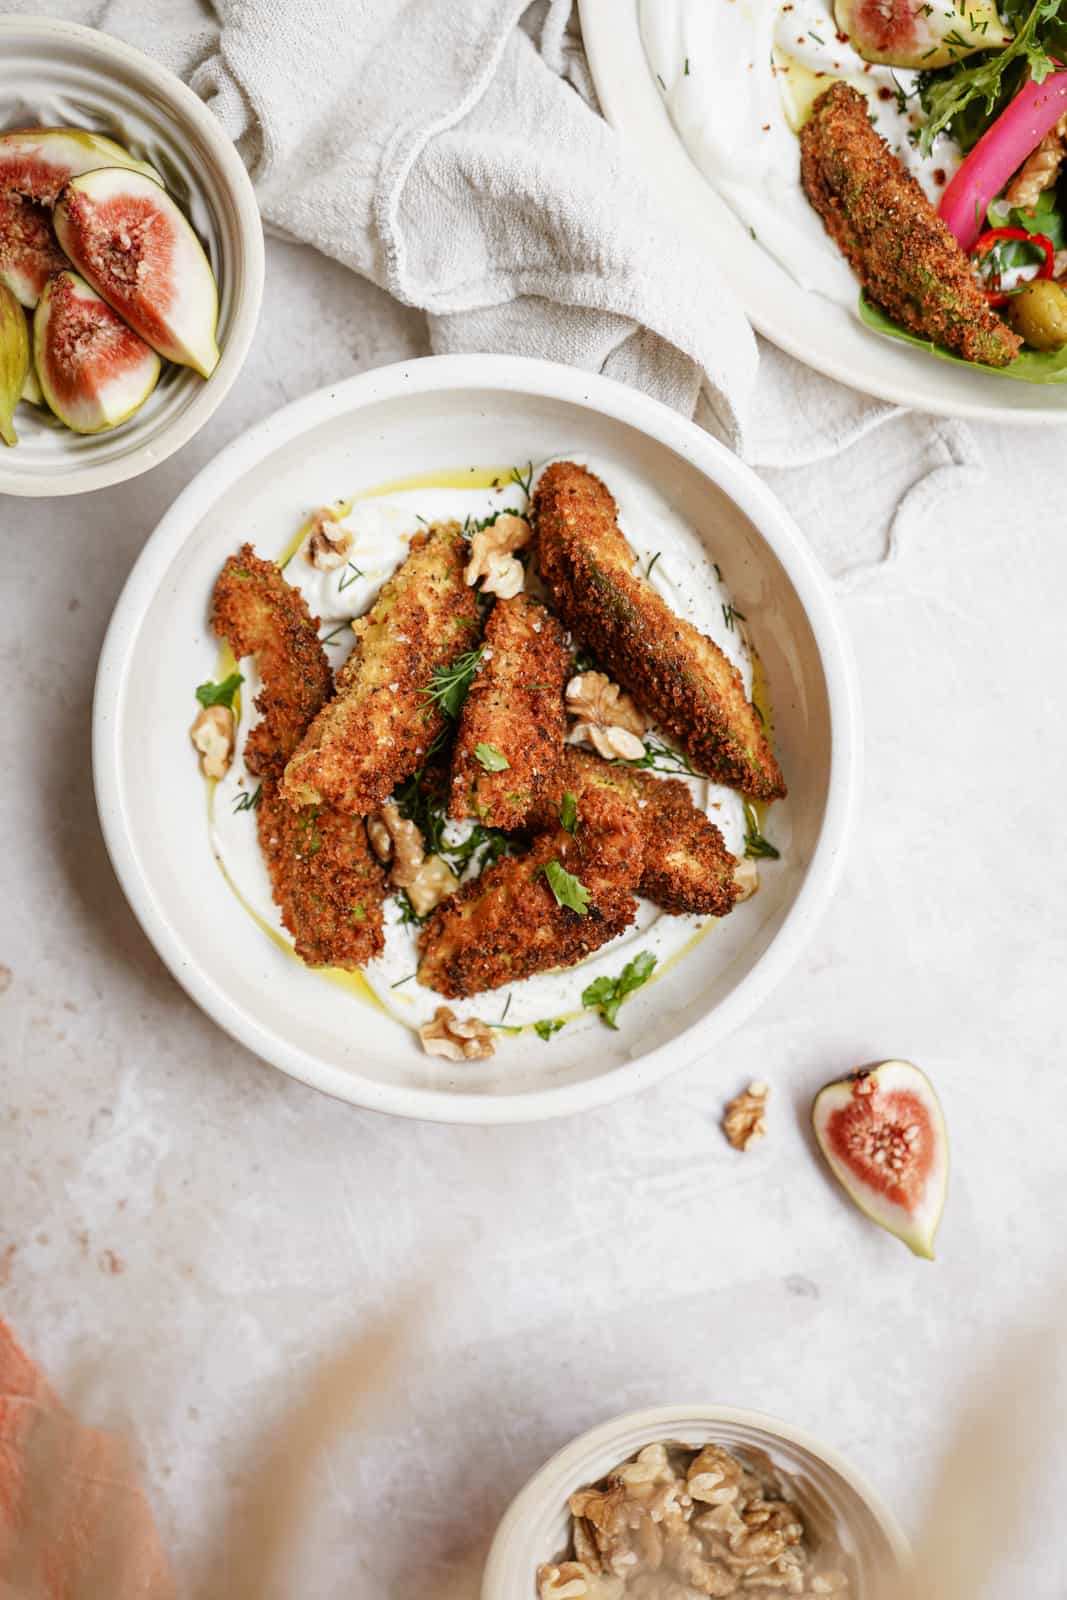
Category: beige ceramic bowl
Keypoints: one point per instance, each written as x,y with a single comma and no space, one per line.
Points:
837,1504
58,74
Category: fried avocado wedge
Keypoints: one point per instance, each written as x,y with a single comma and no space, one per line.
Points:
327,883
671,668
512,921
893,239
328,886
509,749
259,614
686,867
387,711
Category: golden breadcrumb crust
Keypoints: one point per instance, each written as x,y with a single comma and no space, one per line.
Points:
507,924
895,242
326,880
671,668
261,615
381,722
514,711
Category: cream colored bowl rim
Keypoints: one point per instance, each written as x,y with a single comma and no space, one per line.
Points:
670,1422
187,108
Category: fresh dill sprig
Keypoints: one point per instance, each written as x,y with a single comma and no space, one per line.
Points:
342,627
757,847
652,563
249,802
660,757
523,479
449,686
730,615
351,574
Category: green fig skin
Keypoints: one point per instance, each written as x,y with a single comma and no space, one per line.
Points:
14,362
883,1135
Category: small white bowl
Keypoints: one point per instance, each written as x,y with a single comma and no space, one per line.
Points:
836,1502
425,416
55,74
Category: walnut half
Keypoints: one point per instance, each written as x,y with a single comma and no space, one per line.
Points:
447,1036
745,1119
492,556
608,719
213,735
328,545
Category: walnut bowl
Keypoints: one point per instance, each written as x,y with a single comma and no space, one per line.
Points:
839,1507
424,417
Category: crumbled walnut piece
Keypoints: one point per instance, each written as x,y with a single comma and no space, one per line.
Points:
492,556
745,1119
404,847
381,840
565,1582
829,1583
433,882
746,876
597,702
213,735
328,545
1040,169
447,1036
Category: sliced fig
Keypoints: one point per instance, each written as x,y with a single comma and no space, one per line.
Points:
883,1134
128,238
920,33
14,361
35,163
94,371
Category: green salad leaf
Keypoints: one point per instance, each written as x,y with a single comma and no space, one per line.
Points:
1029,366
956,94
1044,216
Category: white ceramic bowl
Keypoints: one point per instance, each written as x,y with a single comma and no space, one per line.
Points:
56,74
438,414
825,336
837,1503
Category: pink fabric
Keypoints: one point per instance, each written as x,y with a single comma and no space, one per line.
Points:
74,1521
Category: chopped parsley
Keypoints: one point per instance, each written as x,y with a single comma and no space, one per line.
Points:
606,994
568,812
756,846
220,694
548,1026
566,887
492,759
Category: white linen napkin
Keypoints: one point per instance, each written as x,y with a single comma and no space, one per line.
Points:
453,153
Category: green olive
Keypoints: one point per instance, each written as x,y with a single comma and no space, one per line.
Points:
1039,314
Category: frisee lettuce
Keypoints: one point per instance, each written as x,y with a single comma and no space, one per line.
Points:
979,89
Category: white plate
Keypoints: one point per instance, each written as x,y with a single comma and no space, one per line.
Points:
59,74
824,336
439,414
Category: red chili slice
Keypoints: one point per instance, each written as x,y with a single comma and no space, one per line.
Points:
992,237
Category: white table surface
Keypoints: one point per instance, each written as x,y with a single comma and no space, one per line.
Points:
185,1235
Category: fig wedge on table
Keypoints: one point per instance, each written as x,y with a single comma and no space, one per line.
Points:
35,163
920,33
14,361
130,241
883,1134
94,371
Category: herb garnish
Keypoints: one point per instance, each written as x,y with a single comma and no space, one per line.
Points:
548,1026
979,89
351,574
524,479
220,694
492,759
249,802
566,887
408,914
448,690
730,615
607,994
568,812
660,757
342,627
756,846
652,563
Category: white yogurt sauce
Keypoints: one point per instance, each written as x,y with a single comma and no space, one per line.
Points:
733,73
383,526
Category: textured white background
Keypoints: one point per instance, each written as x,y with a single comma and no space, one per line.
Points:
185,1236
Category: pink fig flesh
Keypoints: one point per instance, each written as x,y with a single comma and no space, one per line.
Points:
35,163
94,371
912,33
883,1134
131,242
